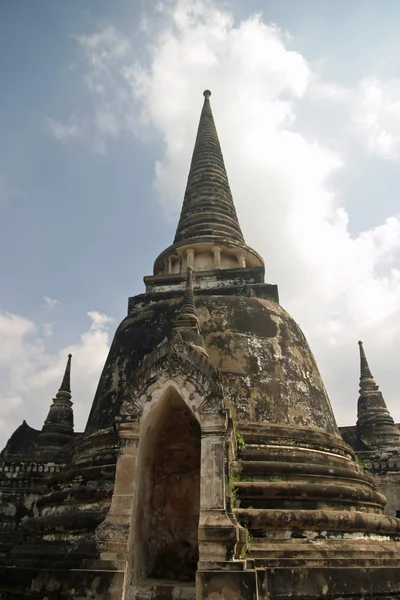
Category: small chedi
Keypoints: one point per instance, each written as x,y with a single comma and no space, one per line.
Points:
211,466
376,438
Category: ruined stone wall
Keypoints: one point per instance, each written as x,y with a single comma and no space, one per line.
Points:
49,514
383,465
22,482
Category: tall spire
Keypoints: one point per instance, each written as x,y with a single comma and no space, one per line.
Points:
375,426
208,208
208,236
59,424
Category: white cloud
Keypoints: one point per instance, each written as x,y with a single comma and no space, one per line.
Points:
104,46
99,320
48,329
92,131
50,302
30,375
377,117
65,131
114,110
370,113
340,287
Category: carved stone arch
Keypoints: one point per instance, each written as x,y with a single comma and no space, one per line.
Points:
166,508
193,384
199,382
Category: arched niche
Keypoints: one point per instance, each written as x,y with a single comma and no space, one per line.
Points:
168,492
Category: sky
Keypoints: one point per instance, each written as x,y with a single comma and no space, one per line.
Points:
99,106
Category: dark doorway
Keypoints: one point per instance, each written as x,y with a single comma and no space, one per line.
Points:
169,492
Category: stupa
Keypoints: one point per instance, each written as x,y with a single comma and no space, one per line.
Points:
211,466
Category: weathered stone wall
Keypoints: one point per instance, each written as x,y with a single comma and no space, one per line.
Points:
269,370
270,373
49,511
383,465
21,484
389,486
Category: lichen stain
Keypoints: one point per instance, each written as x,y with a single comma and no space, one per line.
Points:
227,353
246,319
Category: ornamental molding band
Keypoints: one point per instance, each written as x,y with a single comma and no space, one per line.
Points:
211,466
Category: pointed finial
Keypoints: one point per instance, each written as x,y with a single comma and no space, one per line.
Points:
365,371
206,94
66,382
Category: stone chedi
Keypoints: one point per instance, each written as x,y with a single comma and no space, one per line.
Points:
376,438
375,427
211,466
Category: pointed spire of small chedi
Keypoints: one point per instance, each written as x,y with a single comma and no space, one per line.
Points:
187,322
375,426
58,427
187,317
208,235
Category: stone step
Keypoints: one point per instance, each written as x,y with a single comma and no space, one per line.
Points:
318,554
69,562
264,469
293,477
346,542
105,564
48,564
322,549
43,553
332,492
328,544
283,521
291,563
165,590
81,550
259,452
259,432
